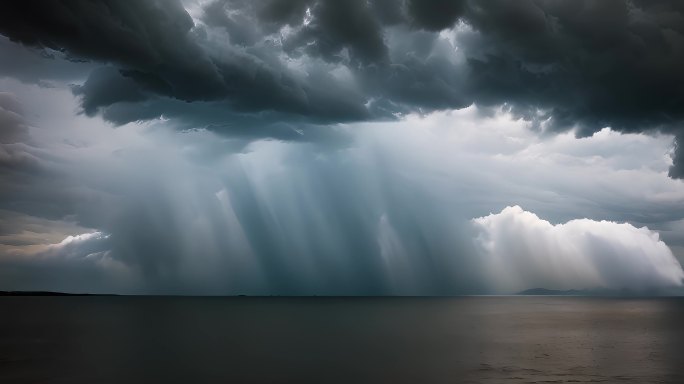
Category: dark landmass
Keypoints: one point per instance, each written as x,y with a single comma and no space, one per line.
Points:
528,292
596,292
556,292
48,293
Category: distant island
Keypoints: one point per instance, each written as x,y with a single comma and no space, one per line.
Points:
569,292
48,293
596,292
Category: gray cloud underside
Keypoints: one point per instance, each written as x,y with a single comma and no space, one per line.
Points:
583,64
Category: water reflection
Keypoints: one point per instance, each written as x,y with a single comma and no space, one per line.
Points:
345,340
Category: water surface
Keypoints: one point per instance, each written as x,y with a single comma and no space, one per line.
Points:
340,340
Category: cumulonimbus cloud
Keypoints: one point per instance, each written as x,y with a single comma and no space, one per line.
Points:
519,250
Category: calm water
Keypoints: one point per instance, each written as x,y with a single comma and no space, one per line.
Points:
345,340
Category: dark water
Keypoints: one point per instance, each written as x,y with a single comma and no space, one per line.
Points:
331,340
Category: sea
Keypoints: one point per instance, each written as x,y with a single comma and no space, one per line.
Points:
502,339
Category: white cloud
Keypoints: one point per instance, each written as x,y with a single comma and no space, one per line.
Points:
520,251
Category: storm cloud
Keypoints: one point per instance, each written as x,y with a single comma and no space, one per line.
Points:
583,65
197,212
336,147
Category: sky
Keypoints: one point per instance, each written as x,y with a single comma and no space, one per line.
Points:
360,147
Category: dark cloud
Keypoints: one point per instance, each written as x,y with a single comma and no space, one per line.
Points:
583,64
246,22
590,63
435,15
337,25
677,169
150,37
106,86
389,12
41,66
152,45
290,12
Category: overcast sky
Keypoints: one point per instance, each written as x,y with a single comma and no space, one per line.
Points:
341,147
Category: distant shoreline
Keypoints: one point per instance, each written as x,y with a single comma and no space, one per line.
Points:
529,292
51,293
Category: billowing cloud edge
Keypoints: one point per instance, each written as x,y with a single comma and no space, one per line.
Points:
519,251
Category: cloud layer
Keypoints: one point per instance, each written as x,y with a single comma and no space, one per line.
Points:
387,212
257,66
340,147
522,251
